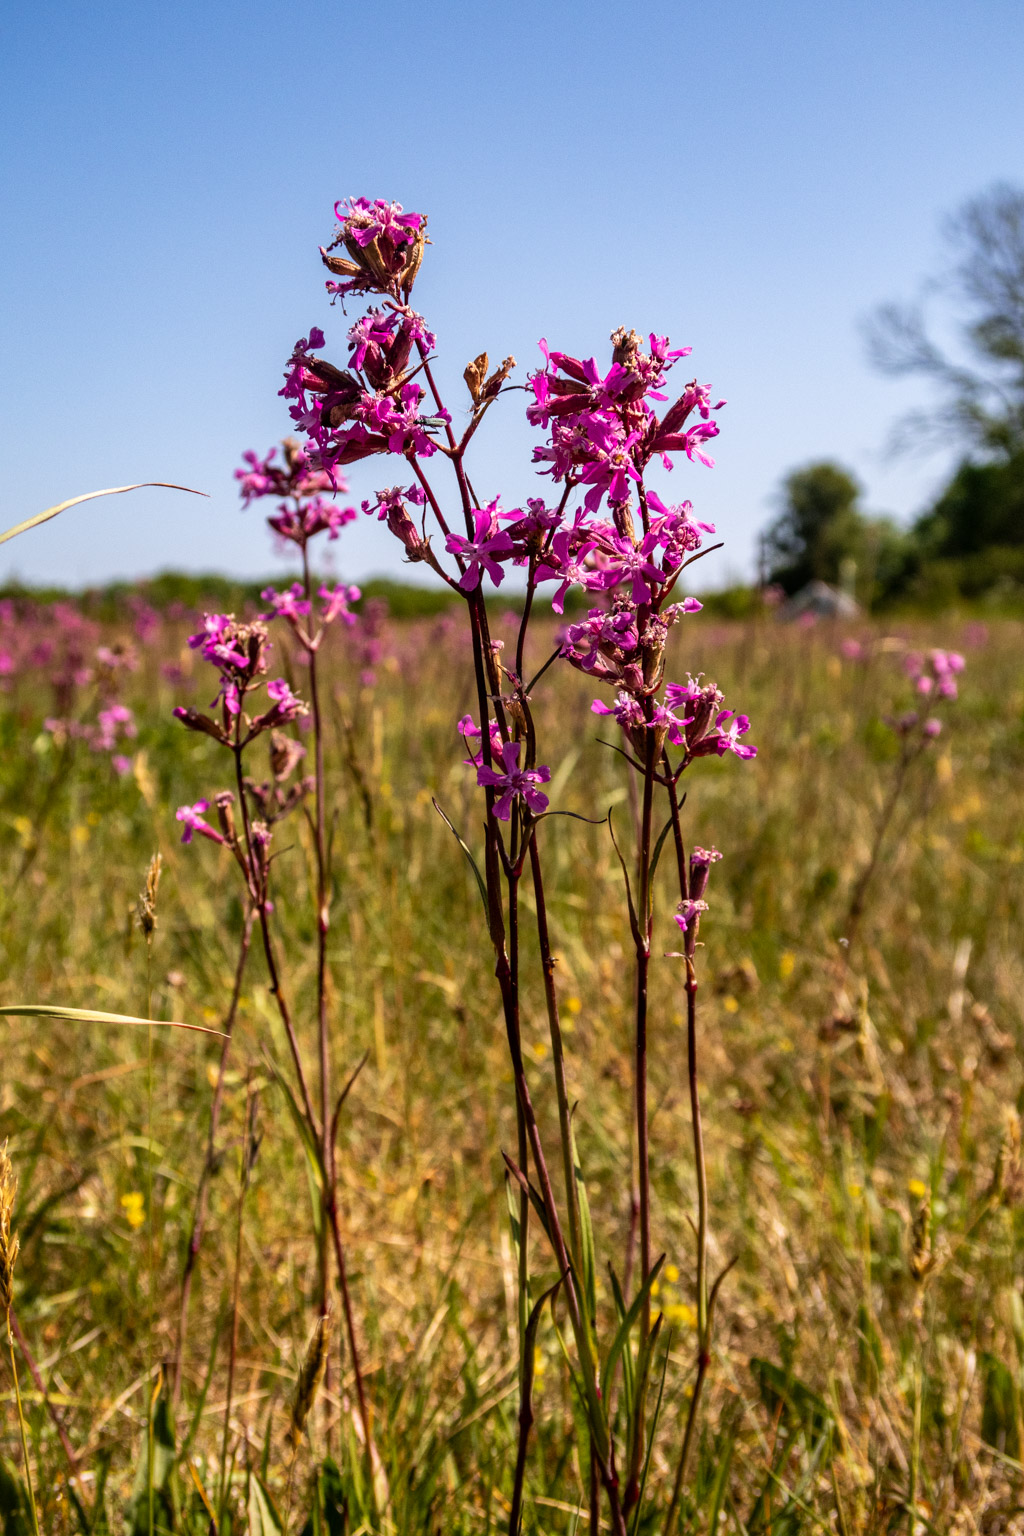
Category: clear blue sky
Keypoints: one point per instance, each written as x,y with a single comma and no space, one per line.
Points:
751,178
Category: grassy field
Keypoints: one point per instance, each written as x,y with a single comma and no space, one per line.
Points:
861,1120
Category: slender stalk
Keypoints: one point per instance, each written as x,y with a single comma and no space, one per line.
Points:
858,899
547,960
915,1447
703,1310
643,961
323,920
699,1163
243,1186
497,862
205,1177
323,916
150,1428
330,1203
350,1328
268,950
525,1364
21,1427
40,1385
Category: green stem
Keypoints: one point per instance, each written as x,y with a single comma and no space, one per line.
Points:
21,1426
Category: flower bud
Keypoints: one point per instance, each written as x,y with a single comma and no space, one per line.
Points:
225,803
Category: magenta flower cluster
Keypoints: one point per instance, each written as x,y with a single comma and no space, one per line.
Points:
933,675
605,533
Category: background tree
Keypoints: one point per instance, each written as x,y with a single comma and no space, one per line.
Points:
821,534
971,541
980,394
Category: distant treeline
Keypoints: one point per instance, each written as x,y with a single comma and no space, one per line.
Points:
967,547
180,592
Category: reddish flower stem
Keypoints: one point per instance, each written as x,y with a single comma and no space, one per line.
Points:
202,1192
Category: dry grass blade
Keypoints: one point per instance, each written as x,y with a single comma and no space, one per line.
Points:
115,490
94,1016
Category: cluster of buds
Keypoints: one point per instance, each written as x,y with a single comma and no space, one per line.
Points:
392,506
933,676
293,606
935,673
384,247
690,908
239,653
255,867
303,509
276,797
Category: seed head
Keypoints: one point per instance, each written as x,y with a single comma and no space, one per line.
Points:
922,1259
311,1374
8,1239
145,910
1006,1175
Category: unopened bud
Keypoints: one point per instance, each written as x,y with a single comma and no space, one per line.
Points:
225,803
475,374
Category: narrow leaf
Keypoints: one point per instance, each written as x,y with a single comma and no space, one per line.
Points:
588,1254
536,1198
116,490
634,925
627,1358
656,855
264,1519
95,1016
653,1431
466,850
530,1339
626,1326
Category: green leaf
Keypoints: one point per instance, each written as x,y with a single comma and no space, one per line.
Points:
656,855
627,1359
720,1481
536,1198
512,1191
14,1511
94,1016
781,1389
594,1406
335,1503
633,924
162,1435
588,1253
116,490
264,1519
626,1325
1000,1408
530,1340
652,1432
314,1172
466,850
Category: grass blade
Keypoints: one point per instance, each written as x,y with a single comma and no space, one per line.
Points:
468,852
95,1016
115,490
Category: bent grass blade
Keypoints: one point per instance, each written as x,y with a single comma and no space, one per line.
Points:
115,490
93,1016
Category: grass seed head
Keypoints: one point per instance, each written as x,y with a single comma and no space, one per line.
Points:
145,910
311,1374
8,1239
1006,1175
922,1258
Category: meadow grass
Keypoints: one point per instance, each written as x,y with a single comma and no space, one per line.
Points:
860,1119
